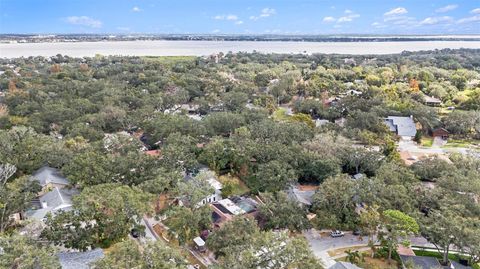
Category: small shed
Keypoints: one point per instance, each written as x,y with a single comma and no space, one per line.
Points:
199,244
440,132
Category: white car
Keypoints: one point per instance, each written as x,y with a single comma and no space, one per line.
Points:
337,233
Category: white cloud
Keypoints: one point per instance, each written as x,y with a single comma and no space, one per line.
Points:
84,21
228,17
378,25
446,8
136,9
216,31
238,22
436,20
329,19
266,12
348,18
475,11
123,28
396,11
475,18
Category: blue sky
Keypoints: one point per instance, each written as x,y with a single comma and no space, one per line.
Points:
241,16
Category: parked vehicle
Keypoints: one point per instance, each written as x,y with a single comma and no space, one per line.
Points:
135,233
337,233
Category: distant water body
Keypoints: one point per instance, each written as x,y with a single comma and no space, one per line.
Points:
201,48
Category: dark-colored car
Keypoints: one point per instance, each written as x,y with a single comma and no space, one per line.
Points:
135,233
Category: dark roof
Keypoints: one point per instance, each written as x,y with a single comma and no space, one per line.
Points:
221,208
344,265
421,262
440,130
457,265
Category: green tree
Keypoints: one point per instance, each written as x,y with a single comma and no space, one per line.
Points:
441,228
274,176
369,222
22,252
102,215
186,223
280,212
231,237
15,196
129,254
397,226
334,202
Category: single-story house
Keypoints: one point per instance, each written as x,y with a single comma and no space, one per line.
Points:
440,132
431,101
225,209
79,259
420,262
303,197
402,126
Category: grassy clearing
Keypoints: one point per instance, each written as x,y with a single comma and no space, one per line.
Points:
233,185
426,141
435,254
451,256
280,114
462,143
169,59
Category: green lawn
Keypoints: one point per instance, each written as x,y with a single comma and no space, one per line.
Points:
426,141
169,59
237,187
280,114
434,253
462,143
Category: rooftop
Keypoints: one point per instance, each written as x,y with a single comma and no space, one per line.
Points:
231,207
79,260
402,126
344,265
47,175
421,262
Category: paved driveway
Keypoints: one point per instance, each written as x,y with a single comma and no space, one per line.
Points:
321,244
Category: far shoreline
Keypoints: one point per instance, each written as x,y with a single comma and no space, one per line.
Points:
204,48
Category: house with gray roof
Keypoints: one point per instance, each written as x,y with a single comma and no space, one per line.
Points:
344,265
303,197
51,202
420,262
79,259
50,177
402,126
